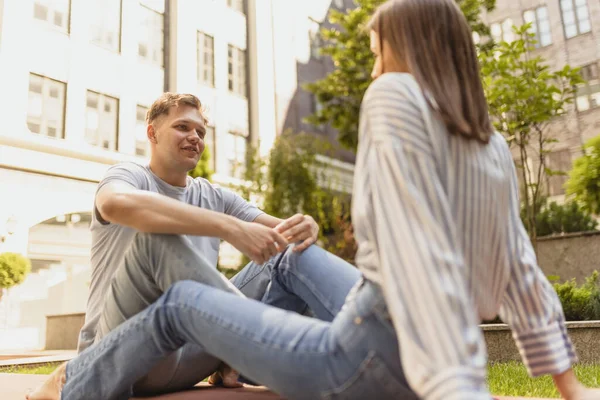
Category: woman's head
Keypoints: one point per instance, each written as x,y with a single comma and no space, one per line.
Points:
432,40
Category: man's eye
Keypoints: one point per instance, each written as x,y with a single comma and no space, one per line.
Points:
183,127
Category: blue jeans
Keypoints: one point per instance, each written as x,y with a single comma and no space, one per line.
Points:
349,351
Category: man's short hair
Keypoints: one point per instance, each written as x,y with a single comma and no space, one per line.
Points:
168,100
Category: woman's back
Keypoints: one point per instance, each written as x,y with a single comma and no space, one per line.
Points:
437,223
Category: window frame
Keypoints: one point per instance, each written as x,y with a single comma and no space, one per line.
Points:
536,25
51,25
577,20
162,35
233,85
101,96
587,87
43,119
119,46
200,56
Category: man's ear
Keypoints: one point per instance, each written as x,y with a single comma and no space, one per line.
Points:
151,133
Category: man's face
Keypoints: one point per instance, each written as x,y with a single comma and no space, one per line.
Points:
178,138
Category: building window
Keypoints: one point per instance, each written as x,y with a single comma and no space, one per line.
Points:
54,12
237,5
101,120
105,24
142,145
237,70
206,59
576,17
151,37
46,106
559,162
540,25
588,93
210,144
236,154
314,36
502,31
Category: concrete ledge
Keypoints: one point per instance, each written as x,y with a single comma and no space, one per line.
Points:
585,336
62,331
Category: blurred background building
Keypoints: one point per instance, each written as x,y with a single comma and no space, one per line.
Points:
568,32
77,77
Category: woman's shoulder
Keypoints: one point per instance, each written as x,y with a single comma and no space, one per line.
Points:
393,84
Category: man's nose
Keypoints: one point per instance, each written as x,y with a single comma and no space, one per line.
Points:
194,138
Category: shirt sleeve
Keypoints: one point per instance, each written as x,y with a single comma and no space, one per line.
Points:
130,173
237,207
531,306
424,279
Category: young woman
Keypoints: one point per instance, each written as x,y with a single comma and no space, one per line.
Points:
441,246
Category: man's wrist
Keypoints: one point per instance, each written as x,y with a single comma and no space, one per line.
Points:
228,228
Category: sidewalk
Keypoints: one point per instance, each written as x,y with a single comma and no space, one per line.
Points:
30,358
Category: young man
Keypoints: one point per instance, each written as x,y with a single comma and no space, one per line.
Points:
154,225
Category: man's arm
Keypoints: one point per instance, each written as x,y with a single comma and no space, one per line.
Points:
121,203
268,220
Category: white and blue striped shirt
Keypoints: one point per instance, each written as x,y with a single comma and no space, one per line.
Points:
437,222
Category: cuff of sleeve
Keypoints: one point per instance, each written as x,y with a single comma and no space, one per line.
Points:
546,350
456,384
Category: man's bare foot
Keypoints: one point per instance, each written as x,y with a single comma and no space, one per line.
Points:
225,376
51,389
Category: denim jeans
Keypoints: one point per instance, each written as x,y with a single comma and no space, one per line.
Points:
152,264
350,351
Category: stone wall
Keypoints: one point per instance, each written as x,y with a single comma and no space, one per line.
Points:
569,256
584,335
62,331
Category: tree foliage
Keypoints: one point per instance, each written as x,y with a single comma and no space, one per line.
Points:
584,179
347,43
203,168
13,270
524,96
553,218
292,181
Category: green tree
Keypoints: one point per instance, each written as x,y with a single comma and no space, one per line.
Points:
203,169
524,97
347,43
563,218
584,179
291,181
13,270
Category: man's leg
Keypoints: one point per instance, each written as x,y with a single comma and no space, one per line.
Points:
151,265
314,278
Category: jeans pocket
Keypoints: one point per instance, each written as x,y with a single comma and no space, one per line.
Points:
372,380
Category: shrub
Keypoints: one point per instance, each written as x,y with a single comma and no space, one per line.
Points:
580,303
13,270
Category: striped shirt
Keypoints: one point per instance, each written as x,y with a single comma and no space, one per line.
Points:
437,222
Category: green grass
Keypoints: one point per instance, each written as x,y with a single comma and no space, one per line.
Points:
505,379
44,369
511,379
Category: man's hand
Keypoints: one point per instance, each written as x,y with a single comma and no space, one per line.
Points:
257,241
299,228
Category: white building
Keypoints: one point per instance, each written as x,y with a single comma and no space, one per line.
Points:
76,78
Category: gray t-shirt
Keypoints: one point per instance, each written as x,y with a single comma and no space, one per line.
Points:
110,241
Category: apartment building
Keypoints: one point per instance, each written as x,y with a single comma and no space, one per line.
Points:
568,32
77,77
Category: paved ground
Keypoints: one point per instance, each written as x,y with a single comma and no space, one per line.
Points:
35,357
14,387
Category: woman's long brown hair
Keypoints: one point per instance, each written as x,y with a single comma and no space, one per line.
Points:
434,41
